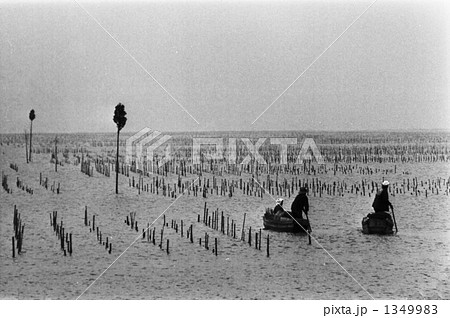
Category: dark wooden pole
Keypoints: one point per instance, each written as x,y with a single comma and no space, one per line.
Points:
26,146
56,155
243,226
259,243
31,136
153,236
117,163
70,250
215,245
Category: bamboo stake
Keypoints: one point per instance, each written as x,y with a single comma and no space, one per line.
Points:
243,226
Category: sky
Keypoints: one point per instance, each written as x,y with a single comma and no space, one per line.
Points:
225,65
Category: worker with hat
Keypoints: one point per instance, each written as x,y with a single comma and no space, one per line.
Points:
381,202
300,204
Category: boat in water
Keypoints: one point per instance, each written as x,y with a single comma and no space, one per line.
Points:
378,223
284,224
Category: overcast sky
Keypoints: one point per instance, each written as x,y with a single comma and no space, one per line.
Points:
224,62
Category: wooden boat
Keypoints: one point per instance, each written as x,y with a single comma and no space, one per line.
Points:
377,223
284,224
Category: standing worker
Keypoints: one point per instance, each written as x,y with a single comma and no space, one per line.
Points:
381,202
300,204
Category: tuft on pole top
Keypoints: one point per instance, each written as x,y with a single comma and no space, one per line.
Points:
119,116
32,115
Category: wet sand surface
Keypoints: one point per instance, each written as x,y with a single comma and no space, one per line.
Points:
414,264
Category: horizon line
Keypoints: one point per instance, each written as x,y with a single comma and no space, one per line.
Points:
402,130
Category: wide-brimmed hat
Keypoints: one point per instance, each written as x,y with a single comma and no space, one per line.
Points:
385,183
303,190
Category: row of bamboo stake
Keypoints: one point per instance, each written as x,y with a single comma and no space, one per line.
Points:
150,234
20,184
317,187
106,243
64,237
44,183
19,228
217,222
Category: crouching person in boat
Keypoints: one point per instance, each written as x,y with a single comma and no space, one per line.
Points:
300,204
381,202
278,211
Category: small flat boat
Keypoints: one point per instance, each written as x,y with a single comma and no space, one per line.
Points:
378,223
284,224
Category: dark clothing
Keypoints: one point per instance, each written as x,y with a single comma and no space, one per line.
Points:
277,209
381,202
300,205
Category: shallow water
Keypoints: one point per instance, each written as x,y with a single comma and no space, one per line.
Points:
412,264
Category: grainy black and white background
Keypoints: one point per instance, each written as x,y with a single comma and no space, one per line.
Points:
367,81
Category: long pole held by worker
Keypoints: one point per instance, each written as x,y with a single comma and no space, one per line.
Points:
309,230
393,216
